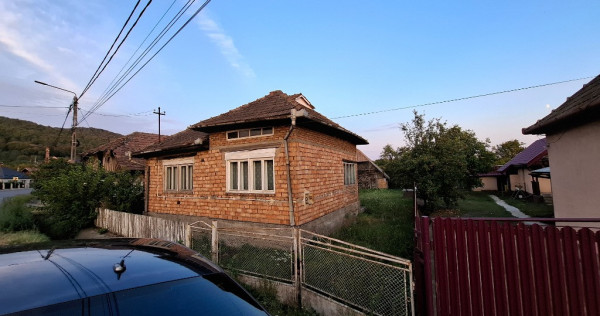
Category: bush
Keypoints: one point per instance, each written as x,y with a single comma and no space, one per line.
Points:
71,193
15,215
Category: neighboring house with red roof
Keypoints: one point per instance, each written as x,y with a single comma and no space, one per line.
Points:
517,171
573,136
116,155
370,175
272,161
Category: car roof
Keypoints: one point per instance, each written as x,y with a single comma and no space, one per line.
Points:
86,269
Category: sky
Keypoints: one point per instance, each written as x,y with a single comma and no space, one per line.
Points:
347,58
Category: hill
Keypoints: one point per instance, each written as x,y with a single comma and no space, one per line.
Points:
23,143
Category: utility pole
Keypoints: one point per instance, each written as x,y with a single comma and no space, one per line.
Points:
74,126
159,115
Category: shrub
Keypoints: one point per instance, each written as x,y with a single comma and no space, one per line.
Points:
15,215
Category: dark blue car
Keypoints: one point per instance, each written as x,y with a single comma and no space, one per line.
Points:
121,276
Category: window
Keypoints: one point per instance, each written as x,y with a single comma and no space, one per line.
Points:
253,132
349,173
179,174
251,171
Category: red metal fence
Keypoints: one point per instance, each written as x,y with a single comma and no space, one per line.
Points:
497,267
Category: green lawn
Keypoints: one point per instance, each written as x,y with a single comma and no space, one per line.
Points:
530,208
386,225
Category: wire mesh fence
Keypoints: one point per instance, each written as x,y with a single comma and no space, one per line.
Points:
371,281
366,280
255,253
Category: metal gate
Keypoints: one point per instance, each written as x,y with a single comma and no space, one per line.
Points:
498,267
363,279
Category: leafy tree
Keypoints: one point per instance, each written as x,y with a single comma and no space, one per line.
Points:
507,150
442,160
71,193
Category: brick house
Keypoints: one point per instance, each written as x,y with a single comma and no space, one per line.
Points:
272,161
116,155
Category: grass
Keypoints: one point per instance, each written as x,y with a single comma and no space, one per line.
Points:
529,207
479,204
22,237
266,295
15,215
386,225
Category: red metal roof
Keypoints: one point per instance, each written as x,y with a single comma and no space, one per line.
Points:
530,155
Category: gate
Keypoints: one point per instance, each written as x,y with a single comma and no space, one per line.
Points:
359,278
497,267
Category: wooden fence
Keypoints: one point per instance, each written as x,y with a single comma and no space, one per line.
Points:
484,267
133,225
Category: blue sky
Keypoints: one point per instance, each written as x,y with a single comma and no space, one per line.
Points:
347,58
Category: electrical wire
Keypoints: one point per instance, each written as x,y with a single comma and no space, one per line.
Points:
161,48
461,99
33,106
174,20
105,92
118,47
111,47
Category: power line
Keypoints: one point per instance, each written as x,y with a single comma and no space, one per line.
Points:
33,106
174,20
117,49
159,50
110,49
140,46
463,98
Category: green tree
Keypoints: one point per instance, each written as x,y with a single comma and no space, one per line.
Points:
507,150
442,160
71,193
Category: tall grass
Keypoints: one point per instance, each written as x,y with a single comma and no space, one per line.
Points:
21,238
15,215
386,225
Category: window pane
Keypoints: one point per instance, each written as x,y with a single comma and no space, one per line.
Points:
244,178
183,178
168,178
255,132
232,135
267,130
244,133
269,175
233,174
190,178
257,175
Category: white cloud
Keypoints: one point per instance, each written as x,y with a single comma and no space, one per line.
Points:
226,45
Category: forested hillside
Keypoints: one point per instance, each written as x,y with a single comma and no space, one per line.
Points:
23,143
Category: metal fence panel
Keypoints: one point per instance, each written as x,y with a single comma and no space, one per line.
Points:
370,281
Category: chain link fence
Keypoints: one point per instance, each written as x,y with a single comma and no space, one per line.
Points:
370,281
366,280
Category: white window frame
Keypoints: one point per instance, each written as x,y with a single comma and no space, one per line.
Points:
262,131
250,158
349,173
178,175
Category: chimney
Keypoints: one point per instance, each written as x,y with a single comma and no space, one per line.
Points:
47,158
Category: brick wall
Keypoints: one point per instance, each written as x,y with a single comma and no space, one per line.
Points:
316,168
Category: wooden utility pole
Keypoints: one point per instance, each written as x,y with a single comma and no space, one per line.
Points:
159,115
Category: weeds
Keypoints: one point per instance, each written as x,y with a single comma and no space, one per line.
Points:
15,215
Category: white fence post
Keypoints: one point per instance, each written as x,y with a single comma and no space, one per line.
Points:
188,235
215,243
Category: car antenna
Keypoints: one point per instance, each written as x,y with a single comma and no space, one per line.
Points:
119,268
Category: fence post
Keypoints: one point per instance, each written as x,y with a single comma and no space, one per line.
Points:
297,265
188,235
215,243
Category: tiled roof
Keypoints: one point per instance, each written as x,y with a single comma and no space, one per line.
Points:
121,146
529,155
7,173
581,107
361,157
184,139
273,107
